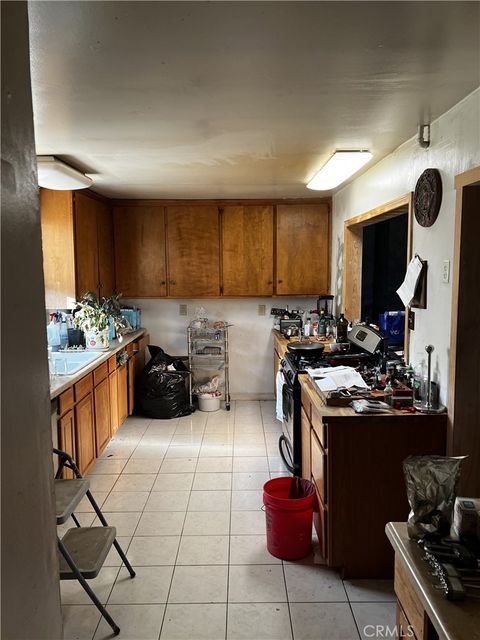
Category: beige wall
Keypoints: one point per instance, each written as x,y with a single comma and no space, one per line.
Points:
30,586
455,148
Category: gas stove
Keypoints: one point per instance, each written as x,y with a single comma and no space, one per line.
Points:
293,365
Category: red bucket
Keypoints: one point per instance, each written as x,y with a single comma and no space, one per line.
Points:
289,520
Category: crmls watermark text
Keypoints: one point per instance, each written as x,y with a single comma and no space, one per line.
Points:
386,631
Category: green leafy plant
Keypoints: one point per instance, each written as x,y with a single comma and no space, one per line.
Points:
94,315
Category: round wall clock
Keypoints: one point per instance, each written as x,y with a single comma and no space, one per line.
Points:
428,197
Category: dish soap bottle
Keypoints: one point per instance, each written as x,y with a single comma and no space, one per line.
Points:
53,333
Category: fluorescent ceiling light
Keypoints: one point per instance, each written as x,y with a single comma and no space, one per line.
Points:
338,168
55,174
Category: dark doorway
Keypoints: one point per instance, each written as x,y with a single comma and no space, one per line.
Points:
384,260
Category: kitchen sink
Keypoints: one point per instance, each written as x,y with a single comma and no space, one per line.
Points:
68,363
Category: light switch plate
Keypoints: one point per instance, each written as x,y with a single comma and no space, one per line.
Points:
183,310
262,309
446,271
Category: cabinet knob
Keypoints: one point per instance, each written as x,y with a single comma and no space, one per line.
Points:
172,282
163,282
270,282
280,281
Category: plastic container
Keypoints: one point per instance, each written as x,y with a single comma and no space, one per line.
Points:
207,402
289,520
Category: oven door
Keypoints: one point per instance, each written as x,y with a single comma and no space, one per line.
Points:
285,443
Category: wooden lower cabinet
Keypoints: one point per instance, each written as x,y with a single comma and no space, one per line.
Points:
66,438
113,386
131,385
102,415
306,444
356,466
85,433
122,398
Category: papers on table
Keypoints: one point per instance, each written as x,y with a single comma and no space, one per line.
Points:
333,378
406,291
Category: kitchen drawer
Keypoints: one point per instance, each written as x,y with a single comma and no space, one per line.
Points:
410,602
320,521
129,349
100,373
65,401
112,364
319,467
83,387
306,404
320,428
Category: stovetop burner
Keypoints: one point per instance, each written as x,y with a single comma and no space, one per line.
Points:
298,364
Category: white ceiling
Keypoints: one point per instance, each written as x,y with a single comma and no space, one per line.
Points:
240,99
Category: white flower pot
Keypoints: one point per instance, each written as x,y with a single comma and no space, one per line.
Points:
97,340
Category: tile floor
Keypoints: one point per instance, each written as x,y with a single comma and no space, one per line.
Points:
185,496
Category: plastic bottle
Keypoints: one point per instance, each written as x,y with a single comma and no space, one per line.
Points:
53,333
307,327
388,393
63,332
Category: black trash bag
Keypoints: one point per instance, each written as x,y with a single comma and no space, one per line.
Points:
431,490
160,393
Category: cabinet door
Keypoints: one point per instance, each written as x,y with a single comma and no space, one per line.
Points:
131,385
85,433
113,387
66,439
306,452
86,244
302,249
319,467
106,256
102,415
140,251
122,385
193,251
247,251
56,210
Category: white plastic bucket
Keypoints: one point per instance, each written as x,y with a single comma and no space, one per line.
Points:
208,403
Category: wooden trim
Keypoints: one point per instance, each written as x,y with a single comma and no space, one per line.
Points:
94,195
468,178
218,202
352,254
387,210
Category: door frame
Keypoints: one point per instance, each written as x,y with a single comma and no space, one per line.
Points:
353,253
455,375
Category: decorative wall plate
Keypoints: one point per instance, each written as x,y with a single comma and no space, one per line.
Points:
428,197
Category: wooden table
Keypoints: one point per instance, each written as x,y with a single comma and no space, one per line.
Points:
421,606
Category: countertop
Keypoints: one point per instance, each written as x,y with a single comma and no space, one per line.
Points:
61,383
282,342
452,620
308,386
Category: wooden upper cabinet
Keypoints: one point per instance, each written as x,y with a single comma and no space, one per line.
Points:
302,249
193,251
106,252
77,238
56,210
140,251
86,243
247,250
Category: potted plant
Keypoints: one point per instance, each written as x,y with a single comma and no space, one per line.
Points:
93,317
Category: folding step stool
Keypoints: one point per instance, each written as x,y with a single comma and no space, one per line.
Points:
83,549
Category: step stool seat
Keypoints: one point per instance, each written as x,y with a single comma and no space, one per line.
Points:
88,547
68,493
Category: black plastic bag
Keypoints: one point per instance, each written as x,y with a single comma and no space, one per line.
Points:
160,393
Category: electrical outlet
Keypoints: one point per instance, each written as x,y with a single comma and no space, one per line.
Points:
262,309
183,310
446,271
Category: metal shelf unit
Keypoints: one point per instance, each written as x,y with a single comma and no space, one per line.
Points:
208,353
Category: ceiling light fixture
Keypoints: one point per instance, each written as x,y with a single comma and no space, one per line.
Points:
338,168
55,174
